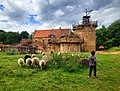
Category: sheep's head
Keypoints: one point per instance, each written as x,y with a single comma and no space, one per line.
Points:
33,55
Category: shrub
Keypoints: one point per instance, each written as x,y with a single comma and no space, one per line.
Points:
66,62
11,51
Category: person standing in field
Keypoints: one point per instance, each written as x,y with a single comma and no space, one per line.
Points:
92,64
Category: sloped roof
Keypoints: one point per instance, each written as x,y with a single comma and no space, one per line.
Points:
56,32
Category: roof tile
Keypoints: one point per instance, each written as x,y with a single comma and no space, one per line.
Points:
56,32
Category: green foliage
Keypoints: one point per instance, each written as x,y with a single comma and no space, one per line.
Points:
12,37
2,37
101,36
113,49
2,31
65,61
24,35
30,37
11,51
109,37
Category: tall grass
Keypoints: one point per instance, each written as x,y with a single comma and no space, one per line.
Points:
113,49
62,73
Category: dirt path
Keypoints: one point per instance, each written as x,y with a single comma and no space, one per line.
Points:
102,52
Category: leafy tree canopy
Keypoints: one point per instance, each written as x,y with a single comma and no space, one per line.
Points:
12,37
24,35
109,36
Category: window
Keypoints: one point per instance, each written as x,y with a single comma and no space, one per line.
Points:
43,40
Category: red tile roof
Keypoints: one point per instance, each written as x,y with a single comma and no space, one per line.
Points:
56,32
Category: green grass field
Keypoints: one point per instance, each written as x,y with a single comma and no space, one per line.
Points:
113,49
69,77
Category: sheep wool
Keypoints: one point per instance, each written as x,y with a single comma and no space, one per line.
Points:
42,64
33,55
35,61
29,61
45,58
20,62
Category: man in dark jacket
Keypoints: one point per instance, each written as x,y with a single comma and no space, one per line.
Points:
92,63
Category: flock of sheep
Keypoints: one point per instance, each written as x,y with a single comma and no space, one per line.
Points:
33,61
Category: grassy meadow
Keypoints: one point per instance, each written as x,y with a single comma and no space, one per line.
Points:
62,73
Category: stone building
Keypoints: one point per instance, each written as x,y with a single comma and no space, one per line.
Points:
48,40
82,39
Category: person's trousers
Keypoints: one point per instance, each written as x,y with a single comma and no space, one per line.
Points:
90,71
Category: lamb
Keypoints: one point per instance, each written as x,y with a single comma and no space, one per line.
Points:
29,61
20,61
35,61
42,64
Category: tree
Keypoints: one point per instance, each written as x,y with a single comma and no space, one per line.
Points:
114,32
110,36
2,31
2,35
24,35
101,36
12,38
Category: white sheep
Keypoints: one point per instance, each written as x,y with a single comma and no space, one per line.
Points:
35,61
20,61
45,57
29,61
43,53
42,64
33,55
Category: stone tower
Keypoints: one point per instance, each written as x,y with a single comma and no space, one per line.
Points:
86,30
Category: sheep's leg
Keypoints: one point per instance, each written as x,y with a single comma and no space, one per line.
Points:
30,65
41,67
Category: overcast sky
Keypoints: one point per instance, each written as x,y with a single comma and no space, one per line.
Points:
30,15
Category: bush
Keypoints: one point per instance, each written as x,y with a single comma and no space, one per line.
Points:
11,51
55,61
66,62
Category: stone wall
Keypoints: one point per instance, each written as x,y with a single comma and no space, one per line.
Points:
69,47
89,35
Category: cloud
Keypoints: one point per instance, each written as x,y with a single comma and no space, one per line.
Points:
108,14
14,12
29,15
97,4
59,13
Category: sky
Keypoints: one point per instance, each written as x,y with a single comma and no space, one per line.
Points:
31,15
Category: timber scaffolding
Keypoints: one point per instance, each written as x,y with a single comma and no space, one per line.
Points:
85,22
80,26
